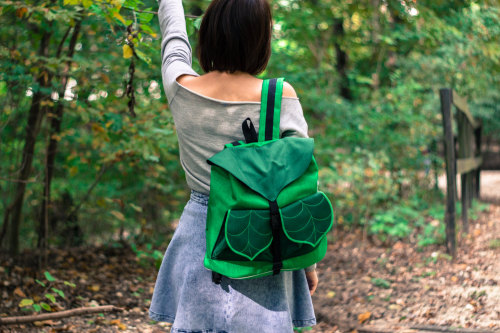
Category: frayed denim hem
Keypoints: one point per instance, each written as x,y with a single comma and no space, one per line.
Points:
175,330
169,319
304,323
161,317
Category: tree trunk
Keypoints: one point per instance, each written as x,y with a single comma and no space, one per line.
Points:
34,120
342,58
55,129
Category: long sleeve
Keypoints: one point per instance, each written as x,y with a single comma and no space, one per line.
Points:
292,122
176,53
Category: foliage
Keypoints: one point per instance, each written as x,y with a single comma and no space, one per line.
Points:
381,283
147,255
367,73
50,292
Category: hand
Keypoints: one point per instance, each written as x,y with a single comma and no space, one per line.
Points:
312,281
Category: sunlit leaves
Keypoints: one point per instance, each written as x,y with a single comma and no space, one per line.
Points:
127,51
118,215
40,282
49,277
143,56
51,297
45,306
58,291
117,15
25,302
145,16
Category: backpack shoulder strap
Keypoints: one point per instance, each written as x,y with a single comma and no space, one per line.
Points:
270,109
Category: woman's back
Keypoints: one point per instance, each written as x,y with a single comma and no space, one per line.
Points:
208,112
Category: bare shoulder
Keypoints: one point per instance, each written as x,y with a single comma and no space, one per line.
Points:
288,90
186,80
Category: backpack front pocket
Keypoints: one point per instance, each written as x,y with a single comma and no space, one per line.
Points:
246,235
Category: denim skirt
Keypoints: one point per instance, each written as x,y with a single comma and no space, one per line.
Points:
185,295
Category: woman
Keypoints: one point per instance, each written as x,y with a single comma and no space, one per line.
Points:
234,45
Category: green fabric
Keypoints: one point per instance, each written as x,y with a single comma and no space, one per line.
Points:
247,233
307,220
267,167
277,108
263,110
243,180
227,192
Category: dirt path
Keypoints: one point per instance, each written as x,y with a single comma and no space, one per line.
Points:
362,286
399,287
490,186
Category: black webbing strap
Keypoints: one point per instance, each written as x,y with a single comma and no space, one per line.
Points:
276,228
271,97
216,277
236,143
249,131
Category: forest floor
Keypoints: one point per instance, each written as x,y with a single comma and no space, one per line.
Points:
364,286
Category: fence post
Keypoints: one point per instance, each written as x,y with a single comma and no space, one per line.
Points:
477,135
463,152
449,147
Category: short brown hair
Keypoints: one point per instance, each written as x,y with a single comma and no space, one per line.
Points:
235,35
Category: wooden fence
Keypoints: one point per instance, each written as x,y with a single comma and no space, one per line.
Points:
468,164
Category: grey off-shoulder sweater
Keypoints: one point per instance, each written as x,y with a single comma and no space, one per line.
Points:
204,125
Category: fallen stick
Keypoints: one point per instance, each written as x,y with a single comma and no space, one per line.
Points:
58,315
370,329
448,329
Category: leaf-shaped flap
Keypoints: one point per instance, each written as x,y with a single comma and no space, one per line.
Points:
307,220
248,232
267,167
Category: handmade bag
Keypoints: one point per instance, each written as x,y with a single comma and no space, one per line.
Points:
265,213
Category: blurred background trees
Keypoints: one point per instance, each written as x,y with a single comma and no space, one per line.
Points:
88,152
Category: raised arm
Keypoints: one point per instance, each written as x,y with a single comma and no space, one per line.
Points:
176,53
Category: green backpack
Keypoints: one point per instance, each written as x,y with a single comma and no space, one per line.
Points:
265,213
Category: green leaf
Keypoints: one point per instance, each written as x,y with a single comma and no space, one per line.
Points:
40,282
136,208
51,297
145,17
37,307
143,56
25,302
45,306
70,284
381,283
59,292
147,29
163,131
49,277
87,3
3,88
197,22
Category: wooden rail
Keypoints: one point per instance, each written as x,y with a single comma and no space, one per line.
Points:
468,165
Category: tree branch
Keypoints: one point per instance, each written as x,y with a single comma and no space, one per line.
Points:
156,13
59,48
58,315
77,207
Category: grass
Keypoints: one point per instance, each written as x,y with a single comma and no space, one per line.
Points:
495,243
